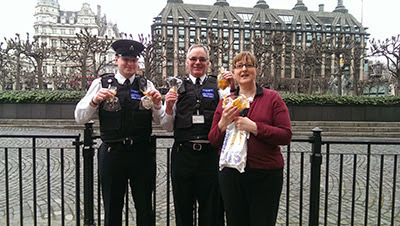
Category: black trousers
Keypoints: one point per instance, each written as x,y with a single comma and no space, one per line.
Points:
117,169
195,178
251,198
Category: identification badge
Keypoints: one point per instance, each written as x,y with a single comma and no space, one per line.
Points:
198,119
208,93
135,94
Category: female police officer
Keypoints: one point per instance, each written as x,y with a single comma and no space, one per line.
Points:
125,127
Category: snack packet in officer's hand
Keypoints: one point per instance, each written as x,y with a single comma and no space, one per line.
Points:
222,82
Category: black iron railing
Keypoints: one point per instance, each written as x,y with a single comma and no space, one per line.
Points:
346,181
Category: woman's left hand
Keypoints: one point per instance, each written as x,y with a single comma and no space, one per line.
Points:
246,124
228,75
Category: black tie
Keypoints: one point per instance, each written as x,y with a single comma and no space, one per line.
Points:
198,88
198,82
127,82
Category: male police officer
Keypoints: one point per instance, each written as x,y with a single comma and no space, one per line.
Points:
194,165
125,127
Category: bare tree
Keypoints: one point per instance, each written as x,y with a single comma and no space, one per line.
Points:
16,59
340,48
37,54
87,52
218,47
308,59
4,70
390,50
269,54
153,56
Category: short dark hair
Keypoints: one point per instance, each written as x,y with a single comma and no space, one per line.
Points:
198,46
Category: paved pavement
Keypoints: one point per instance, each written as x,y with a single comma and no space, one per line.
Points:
297,183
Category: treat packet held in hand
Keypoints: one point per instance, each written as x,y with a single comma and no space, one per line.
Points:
241,102
222,82
112,104
234,149
226,101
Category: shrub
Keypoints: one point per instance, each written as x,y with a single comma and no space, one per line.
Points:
40,96
62,96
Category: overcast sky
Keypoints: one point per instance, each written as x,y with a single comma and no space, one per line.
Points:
136,16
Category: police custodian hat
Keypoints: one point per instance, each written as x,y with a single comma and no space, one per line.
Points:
127,48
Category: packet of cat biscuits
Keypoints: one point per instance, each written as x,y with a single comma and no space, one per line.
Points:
222,82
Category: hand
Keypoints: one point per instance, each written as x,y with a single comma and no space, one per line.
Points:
246,124
102,95
155,97
228,115
229,77
170,99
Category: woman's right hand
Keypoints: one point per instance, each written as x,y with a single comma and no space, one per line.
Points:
228,115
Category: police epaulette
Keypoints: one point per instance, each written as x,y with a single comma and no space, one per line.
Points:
107,75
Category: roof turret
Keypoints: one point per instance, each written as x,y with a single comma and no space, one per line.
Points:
221,3
261,4
340,7
300,6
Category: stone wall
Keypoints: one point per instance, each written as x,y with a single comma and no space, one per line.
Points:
297,112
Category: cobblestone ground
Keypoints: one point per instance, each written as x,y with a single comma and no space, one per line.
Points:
336,197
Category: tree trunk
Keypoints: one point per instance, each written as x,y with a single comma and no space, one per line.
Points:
40,73
18,85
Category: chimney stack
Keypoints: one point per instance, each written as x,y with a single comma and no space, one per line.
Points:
321,7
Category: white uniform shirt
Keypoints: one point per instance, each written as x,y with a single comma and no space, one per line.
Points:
84,111
167,121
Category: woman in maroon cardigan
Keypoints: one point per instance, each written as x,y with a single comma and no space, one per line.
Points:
252,197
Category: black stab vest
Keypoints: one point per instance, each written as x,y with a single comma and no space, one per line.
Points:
184,129
130,121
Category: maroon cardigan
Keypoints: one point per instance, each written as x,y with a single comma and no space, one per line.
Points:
271,115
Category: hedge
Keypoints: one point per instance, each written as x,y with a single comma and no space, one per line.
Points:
62,96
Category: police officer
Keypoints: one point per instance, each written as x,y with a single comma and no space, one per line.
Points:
194,163
125,155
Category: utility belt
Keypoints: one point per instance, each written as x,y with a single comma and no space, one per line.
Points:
129,144
196,145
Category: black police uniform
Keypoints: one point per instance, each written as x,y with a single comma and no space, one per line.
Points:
194,165
126,156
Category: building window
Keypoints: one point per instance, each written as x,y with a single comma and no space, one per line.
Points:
286,18
181,31
225,33
319,36
54,69
170,31
246,17
181,20
54,43
247,34
236,34
203,33
192,21
203,21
